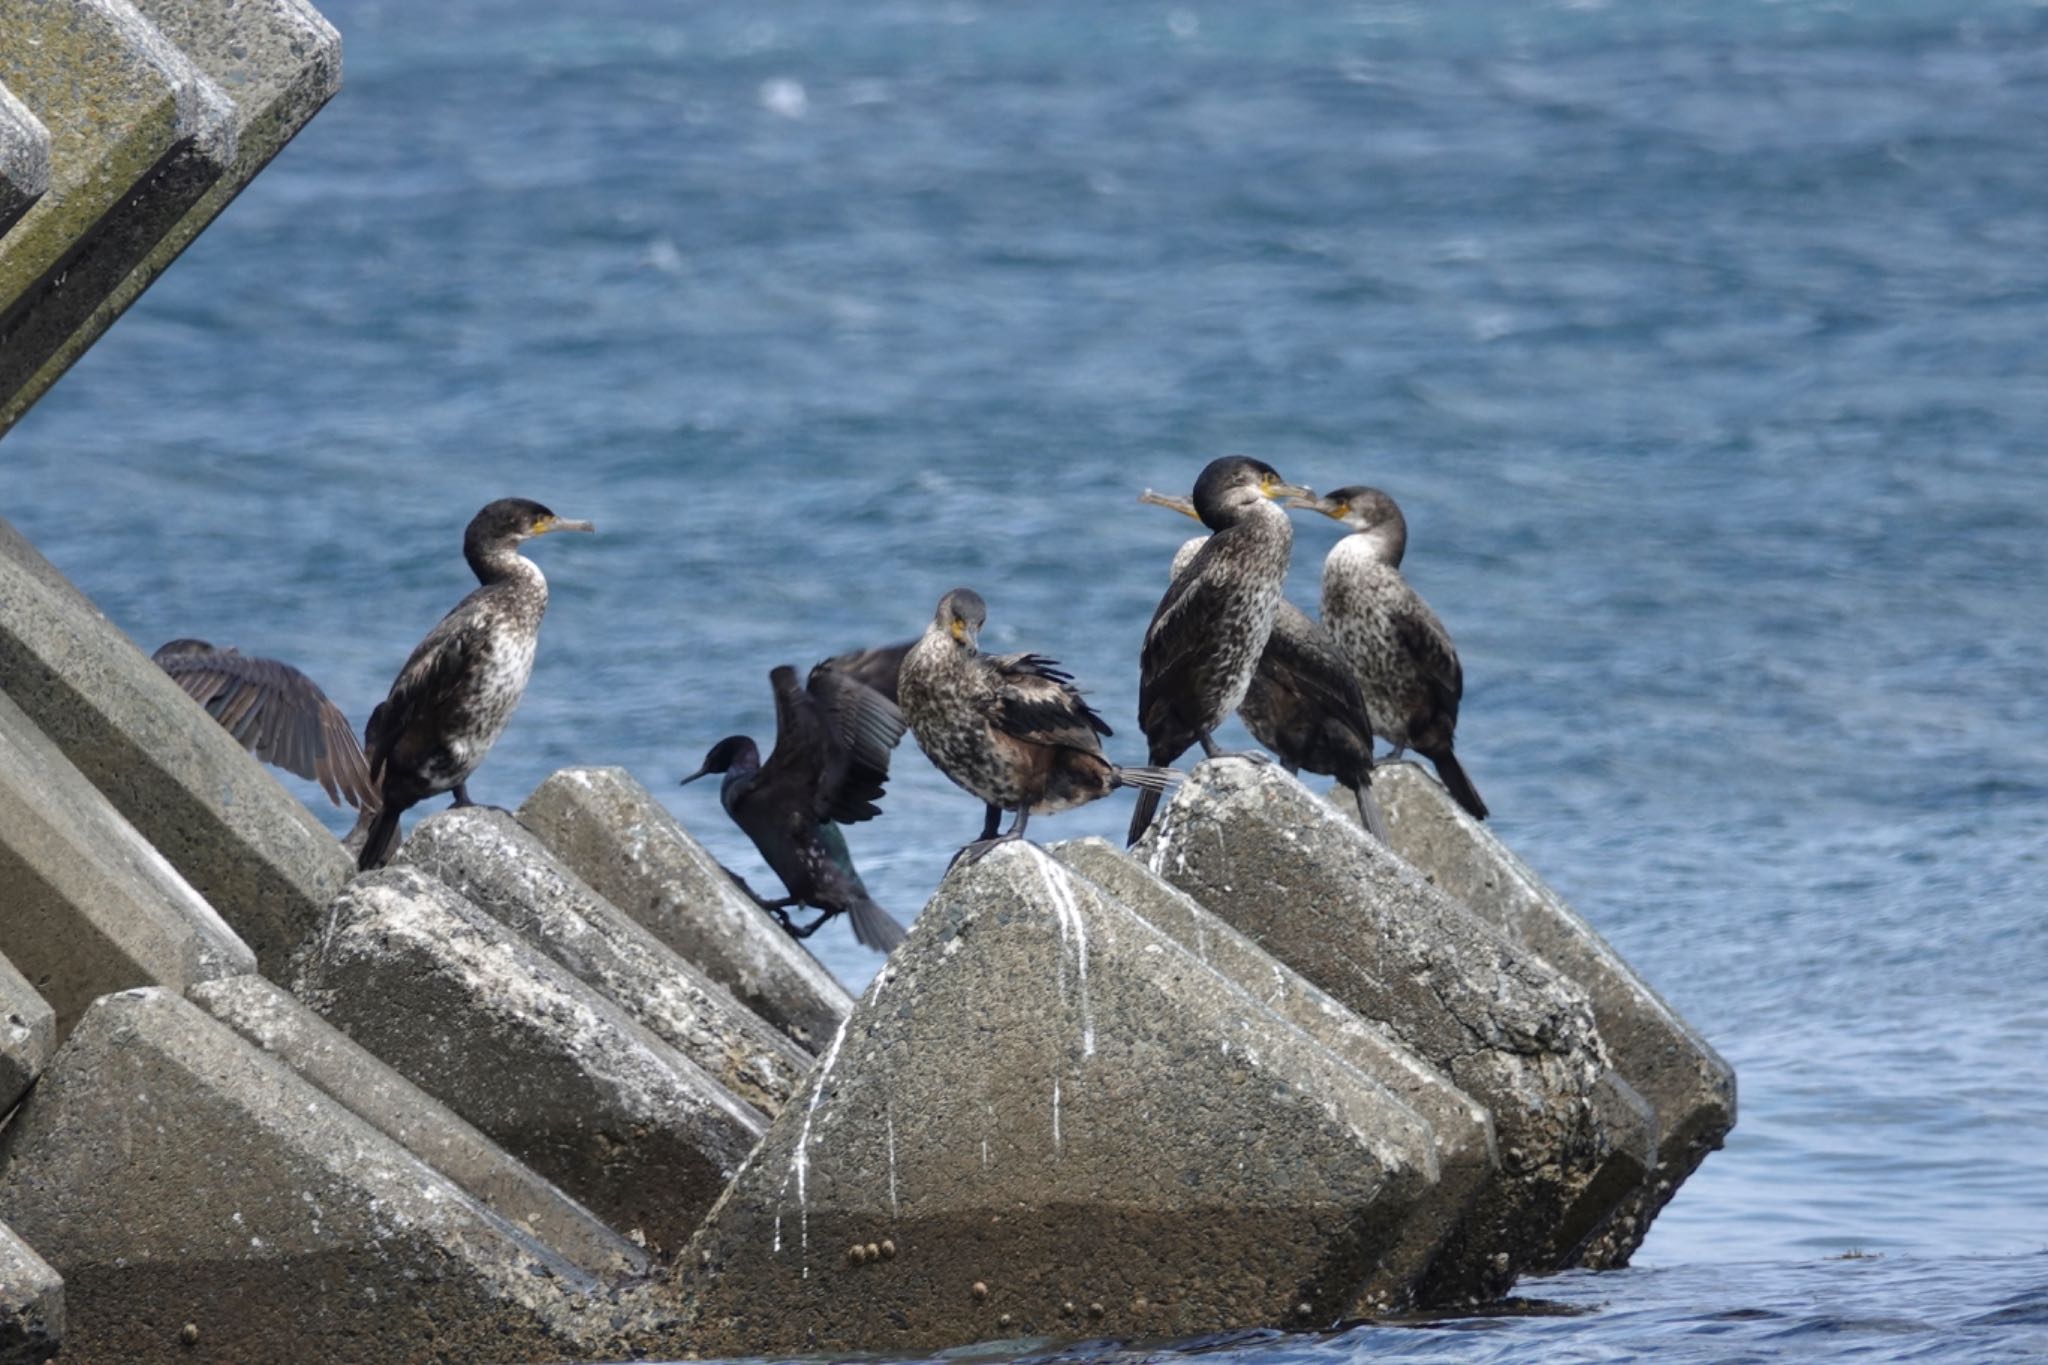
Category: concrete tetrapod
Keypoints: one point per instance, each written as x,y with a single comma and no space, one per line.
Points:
1683,1079
1463,1130
277,62
89,906
1282,865
31,1303
610,831
1046,1118
137,134
243,1202
552,1071
24,159
277,1022
28,1034
243,842
503,869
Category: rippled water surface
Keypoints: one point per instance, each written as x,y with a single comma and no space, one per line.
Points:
1702,344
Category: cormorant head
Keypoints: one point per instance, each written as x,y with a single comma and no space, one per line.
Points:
508,521
1367,511
961,614
172,649
1231,486
734,751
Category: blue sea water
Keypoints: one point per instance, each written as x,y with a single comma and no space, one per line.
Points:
1702,344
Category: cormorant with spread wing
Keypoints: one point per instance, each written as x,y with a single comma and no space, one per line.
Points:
1209,630
1406,664
275,712
833,735
454,695
1303,702
1011,729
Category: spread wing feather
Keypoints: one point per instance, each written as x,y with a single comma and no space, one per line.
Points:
275,712
1036,701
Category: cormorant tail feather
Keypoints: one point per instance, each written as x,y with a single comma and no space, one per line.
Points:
873,927
1456,783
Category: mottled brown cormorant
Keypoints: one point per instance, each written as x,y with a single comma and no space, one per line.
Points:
1303,702
275,712
1402,654
1010,728
831,758
1206,637
456,692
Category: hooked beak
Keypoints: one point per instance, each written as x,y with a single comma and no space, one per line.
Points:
1172,502
693,777
1286,493
1309,502
562,524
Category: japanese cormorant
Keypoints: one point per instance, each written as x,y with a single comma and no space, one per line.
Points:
1303,702
1010,728
1211,626
456,692
1402,654
831,758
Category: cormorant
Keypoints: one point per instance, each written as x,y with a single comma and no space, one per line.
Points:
1209,630
456,692
1010,728
1402,654
275,712
832,741
1303,702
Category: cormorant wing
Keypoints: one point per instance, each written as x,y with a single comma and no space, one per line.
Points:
1423,638
1178,650
1303,657
863,716
429,686
1036,701
275,712
876,667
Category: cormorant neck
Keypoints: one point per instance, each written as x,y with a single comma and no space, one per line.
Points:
499,560
1257,511
1382,544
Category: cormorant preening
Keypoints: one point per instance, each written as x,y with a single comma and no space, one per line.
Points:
1010,728
832,741
1206,637
1303,702
277,713
456,692
1402,654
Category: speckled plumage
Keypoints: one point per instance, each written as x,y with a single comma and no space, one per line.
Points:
1211,626
1009,728
1406,664
458,688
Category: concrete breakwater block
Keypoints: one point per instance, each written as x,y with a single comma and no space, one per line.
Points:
541,1063
31,1303
86,905
1463,1130
24,159
1684,1080
1047,1118
610,831
277,62
238,1199
137,135
243,842
275,1021
1300,880
503,869
28,1033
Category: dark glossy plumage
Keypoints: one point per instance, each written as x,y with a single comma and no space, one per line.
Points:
1303,703
275,712
1010,728
1208,632
1407,666
833,736
458,688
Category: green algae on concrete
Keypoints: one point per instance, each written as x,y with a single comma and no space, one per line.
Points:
137,135
24,159
279,62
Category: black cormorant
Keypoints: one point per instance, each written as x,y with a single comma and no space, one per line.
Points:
1402,654
456,692
831,758
1303,702
1010,728
1206,637
275,712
